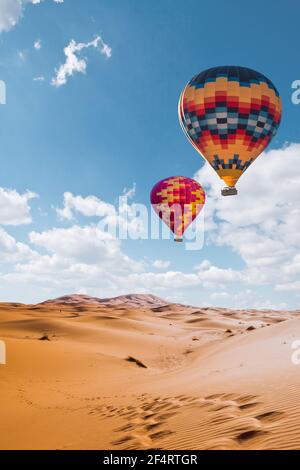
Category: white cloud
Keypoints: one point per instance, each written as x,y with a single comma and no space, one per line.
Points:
74,62
242,299
124,217
209,273
79,257
89,206
256,235
86,244
14,207
11,12
36,2
22,55
160,264
11,250
86,257
130,192
289,286
210,277
37,45
262,223
260,227
41,78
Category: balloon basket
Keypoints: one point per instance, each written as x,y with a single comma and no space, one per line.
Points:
229,191
178,240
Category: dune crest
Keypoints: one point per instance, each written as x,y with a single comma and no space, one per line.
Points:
131,300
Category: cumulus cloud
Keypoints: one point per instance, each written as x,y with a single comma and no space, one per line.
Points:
87,257
86,244
244,298
71,259
205,277
160,264
11,250
14,207
125,217
289,286
215,275
261,224
74,62
89,206
257,235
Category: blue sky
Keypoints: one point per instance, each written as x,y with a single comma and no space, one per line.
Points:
115,126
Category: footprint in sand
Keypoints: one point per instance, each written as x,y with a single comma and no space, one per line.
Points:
240,412
231,420
270,416
249,435
148,422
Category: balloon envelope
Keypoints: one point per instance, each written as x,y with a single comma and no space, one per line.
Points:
230,114
178,201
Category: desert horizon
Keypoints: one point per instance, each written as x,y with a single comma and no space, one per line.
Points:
136,372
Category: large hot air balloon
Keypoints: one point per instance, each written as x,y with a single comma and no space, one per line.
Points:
178,201
230,114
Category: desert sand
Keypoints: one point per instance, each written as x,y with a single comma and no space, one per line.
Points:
137,373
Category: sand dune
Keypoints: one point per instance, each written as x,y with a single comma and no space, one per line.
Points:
131,300
210,378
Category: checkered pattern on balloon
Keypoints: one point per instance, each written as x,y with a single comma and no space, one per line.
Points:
178,201
230,114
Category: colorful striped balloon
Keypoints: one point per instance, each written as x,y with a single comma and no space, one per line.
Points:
230,114
178,201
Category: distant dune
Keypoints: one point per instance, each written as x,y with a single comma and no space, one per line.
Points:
137,372
131,300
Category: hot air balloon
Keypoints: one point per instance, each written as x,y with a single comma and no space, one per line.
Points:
178,201
230,114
